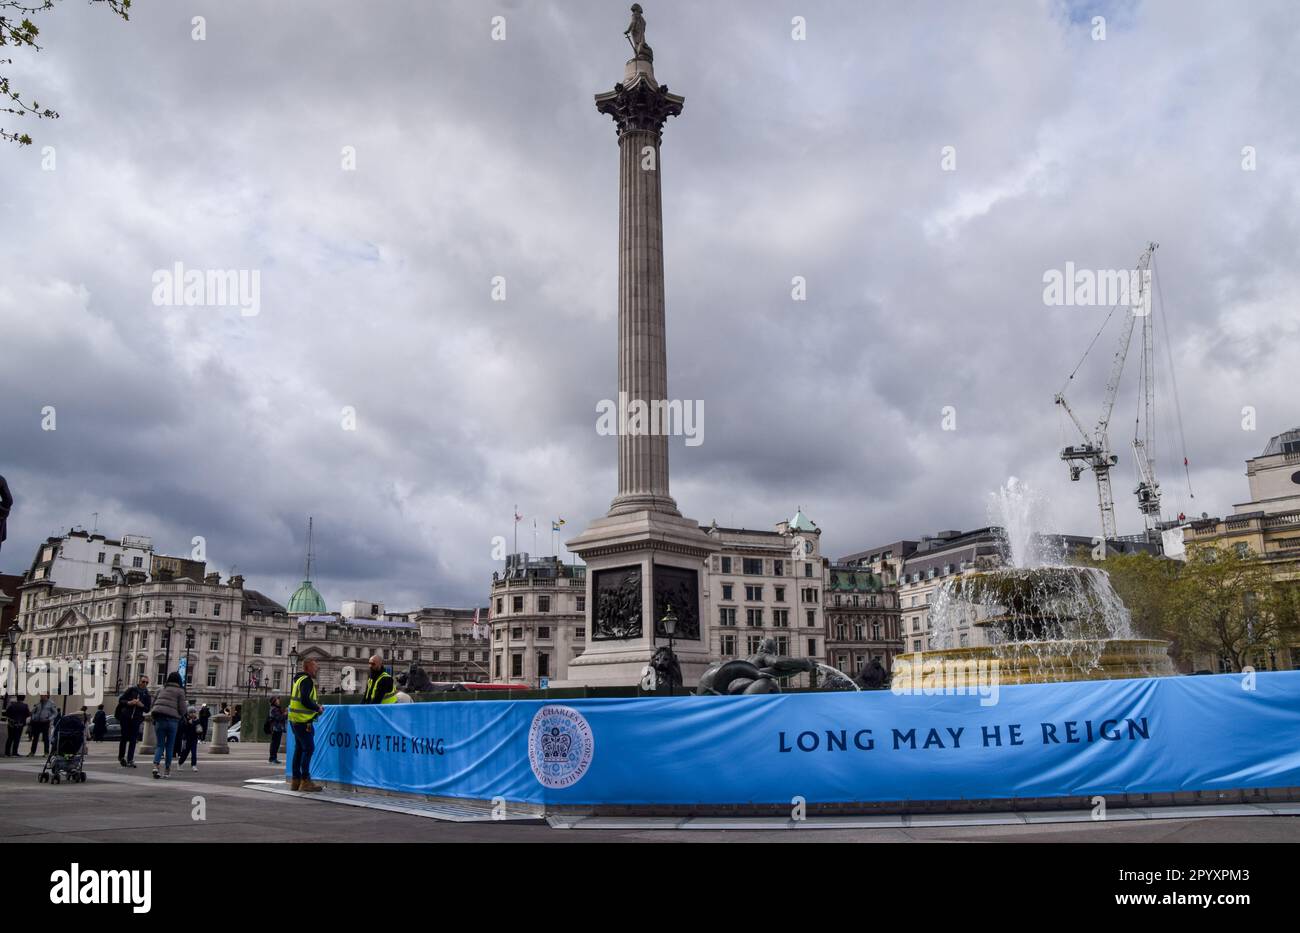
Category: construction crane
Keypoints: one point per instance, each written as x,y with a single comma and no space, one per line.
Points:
1095,452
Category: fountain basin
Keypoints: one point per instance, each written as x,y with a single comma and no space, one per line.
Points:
1037,662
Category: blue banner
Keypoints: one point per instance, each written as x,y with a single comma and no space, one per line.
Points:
1087,738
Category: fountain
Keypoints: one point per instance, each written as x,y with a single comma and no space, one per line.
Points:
1043,620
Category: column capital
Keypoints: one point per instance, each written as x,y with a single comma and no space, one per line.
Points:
640,104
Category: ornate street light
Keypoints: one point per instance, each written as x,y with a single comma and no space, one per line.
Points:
669,622
11,636
167,661
189,642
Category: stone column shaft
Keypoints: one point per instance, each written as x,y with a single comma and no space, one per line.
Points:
642,350
640,106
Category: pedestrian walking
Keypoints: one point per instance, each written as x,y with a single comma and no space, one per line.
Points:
43,717
16,714
131,707
99,729
204,715
303,712
190,739
167,712
275,722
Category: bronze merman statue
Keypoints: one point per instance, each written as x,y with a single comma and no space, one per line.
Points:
761,673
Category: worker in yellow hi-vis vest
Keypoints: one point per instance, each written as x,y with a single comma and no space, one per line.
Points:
303,711
380,686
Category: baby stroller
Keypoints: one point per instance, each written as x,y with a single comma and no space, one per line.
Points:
67,752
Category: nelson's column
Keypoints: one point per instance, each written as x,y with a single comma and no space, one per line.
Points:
642,557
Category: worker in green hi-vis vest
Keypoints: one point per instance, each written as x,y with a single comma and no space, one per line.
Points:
303,712
380,686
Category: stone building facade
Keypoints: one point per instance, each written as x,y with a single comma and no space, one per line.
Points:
767,584
538,619
241,639
862,619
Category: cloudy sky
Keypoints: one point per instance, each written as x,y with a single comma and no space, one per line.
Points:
477,158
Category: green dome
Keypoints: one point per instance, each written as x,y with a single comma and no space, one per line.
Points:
306,600
801,522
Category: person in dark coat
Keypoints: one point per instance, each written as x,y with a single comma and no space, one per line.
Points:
189,735
204,715
100,727
276,719
16,714
131,707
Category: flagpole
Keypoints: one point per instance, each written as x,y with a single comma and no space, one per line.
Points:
516,514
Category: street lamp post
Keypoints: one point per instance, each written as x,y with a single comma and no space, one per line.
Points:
252,669
11,636
167,660
670,628
189,641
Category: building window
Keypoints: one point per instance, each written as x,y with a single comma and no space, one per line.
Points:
752,566
277,679
812,646
496,665
809,594
782,644
214,643
543,604
755,643
807,570
543,664
582,604
516,633
753,594
279,647
728,646
857,631
780,594
517,604
148,603
781,618
216,609
726,565
778,567
212,675
257,646
137,562
726,592
194,607
754,617
499,605
580,632
543,631
162,672
516,665
811,618
726,616
167,606
916,644
839,631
